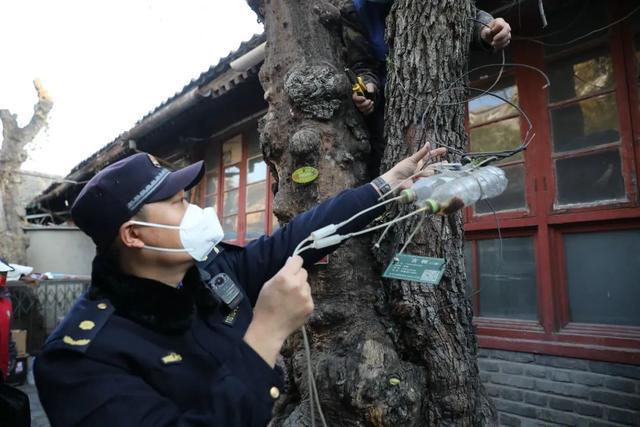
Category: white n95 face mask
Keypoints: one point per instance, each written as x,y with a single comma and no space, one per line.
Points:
200,232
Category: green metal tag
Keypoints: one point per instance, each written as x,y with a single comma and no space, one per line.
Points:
415,269
305,175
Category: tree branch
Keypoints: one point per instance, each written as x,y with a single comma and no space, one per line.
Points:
40,113
9,123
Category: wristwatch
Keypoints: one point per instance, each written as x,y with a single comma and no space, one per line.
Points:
382,185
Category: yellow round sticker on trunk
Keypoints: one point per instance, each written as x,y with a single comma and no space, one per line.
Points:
305,174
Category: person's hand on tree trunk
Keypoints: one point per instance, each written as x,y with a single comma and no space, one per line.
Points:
364,105
412,165
497,33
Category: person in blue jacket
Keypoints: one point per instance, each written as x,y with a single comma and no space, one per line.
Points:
177,328
363,35
364,24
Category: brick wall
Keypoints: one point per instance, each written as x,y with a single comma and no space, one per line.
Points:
532,389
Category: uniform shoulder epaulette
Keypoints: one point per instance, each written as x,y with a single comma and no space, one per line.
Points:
81,325
213,256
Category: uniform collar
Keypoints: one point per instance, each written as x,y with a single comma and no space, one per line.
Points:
148,302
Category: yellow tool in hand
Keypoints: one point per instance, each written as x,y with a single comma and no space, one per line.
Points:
358,85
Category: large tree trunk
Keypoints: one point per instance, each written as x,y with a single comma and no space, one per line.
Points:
365,332
12,155
429,43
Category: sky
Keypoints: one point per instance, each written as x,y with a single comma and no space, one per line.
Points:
106,64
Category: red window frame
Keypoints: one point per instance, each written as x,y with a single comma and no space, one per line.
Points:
517,212
199,195
553,333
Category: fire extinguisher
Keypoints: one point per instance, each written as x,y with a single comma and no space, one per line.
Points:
6,312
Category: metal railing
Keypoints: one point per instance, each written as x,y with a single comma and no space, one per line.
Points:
39,307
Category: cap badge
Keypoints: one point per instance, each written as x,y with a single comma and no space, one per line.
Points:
171,358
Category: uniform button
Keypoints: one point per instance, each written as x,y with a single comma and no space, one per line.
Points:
86,325
274,392
102,306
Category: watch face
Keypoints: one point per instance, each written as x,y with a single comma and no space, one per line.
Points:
382,185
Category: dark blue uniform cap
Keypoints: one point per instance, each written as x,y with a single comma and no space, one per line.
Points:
116,193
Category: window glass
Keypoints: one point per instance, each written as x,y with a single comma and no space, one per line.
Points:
255,225
256,170
498,136
512,198
580,75
637,47
468,263
256,197
230,227
585,124
602,277
486,108
231,177
211,200
232,150
230,202
590,178
508,279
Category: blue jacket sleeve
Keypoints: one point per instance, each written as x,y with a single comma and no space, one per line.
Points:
482,19
80,391
261,259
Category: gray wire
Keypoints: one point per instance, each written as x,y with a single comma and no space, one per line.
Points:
490,88
413,232
498,264
510,64
529,135
577,17
307,353
543,16
362,212
584,36
313,389
298,249
384,233
397,219
500,250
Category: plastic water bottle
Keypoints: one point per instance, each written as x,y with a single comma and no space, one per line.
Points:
423,188
478,184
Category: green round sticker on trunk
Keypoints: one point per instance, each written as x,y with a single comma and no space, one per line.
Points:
305,174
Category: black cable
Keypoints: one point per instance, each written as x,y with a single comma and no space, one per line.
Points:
510,64
529,135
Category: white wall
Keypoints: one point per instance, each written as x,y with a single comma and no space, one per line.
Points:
59,249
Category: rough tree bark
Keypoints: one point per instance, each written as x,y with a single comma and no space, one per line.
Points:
12,155
428,44
365,332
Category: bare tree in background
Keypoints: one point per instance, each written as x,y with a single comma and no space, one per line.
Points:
385,353
13,153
